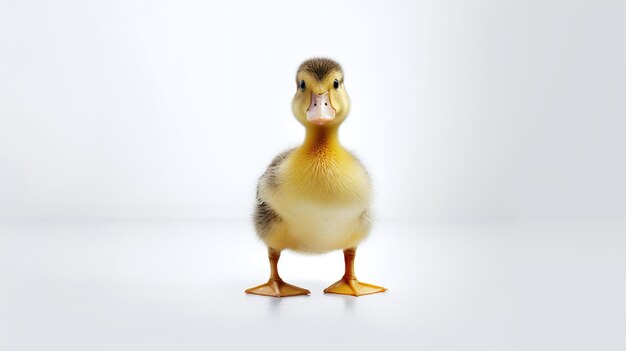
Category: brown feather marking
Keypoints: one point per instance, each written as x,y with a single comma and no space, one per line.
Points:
264,215
319,67
271,173
264,218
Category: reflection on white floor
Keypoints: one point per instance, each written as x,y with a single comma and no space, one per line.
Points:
179,286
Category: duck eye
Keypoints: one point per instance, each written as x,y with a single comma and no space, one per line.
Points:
302,85
336,84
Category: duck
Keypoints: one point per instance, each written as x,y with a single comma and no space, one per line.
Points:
315,198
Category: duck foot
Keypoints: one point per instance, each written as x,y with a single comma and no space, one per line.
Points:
277,288
351,286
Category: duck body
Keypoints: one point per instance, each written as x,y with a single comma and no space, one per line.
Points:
318,197
315,198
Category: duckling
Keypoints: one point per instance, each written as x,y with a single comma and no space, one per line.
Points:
315,198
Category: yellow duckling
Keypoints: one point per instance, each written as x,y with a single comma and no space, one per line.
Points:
315,198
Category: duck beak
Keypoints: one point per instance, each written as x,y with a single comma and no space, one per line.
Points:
320,111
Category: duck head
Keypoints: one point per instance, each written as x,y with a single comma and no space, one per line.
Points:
321,100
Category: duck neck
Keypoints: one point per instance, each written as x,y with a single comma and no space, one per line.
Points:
321,139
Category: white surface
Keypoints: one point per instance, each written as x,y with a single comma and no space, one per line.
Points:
172,109
179,286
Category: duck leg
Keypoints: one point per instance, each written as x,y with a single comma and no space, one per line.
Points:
349,285
275,286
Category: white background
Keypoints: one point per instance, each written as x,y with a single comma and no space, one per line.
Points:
132,134
171,110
